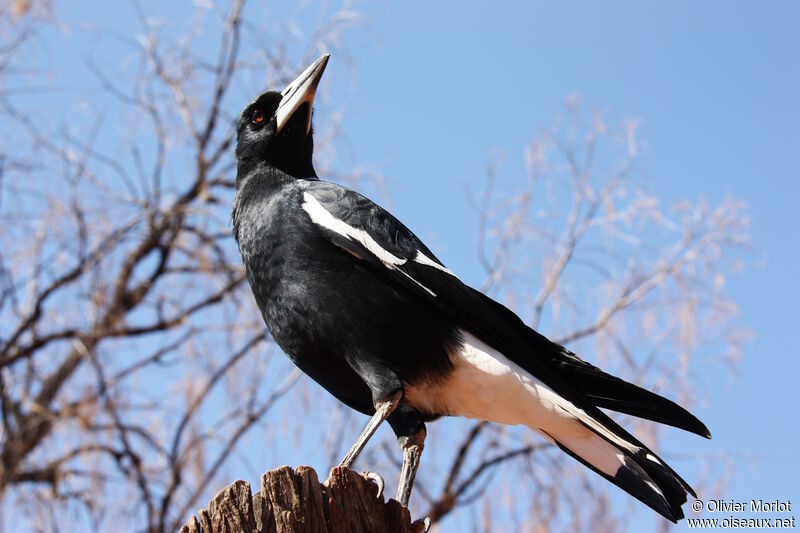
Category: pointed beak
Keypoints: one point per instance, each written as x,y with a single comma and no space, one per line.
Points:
300,91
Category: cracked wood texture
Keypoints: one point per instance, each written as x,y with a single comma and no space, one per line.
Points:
296,502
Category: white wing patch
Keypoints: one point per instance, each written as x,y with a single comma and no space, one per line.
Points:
323,217
423,259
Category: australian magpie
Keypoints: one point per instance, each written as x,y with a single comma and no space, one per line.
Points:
364,308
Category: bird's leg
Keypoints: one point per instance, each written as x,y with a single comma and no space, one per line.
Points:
382,409
412,451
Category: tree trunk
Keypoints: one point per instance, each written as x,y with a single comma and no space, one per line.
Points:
296,502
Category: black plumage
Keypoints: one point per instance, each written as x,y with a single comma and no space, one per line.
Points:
364,308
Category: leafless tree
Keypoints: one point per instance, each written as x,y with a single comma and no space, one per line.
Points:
132,359
134,367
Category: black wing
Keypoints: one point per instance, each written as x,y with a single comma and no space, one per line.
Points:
404,259
372,235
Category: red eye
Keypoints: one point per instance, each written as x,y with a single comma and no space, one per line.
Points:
258,116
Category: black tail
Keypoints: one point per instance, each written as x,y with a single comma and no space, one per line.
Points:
601,389
605,447
618,395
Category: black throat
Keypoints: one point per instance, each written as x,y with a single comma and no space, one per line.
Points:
280,156
294,162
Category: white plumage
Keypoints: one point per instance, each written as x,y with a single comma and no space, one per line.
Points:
486,385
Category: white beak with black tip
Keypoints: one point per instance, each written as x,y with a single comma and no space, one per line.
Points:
301,90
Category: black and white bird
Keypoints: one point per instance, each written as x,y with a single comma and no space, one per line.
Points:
364,308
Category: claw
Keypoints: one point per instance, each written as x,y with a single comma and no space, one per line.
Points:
422,526
375,477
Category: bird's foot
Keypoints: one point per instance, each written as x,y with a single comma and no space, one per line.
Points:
377,479
422,525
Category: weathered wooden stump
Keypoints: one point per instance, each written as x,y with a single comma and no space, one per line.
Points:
296,502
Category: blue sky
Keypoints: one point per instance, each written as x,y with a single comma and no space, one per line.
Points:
717,85
439,88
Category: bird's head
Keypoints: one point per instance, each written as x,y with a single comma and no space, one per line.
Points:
275,129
